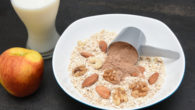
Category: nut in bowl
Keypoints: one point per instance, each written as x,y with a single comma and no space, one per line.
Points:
132,90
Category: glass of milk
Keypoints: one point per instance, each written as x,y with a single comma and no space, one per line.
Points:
39,18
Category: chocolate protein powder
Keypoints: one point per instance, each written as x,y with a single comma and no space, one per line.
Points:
121,57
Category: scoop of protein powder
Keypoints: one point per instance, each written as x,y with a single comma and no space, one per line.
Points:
135,39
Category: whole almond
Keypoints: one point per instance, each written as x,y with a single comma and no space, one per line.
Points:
90,80
103,91
153,78
134,74
86,54
103,46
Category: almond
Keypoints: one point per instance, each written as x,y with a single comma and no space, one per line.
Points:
134,74
103,46
141,69
103,91
90,80
86,54
153,78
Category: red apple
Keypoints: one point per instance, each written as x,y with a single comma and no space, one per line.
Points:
21,71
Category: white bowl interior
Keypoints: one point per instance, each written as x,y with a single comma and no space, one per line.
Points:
157,35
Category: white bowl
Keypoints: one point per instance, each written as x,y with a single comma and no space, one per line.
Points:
157,35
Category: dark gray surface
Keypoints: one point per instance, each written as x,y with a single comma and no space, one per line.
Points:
179,15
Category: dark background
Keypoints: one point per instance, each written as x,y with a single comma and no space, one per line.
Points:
179,15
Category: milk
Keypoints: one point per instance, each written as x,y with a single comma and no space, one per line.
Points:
39,18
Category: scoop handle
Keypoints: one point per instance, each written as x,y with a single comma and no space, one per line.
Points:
154,51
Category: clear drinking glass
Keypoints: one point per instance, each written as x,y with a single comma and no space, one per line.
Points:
39,18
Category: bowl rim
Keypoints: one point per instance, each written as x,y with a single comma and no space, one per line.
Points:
102,15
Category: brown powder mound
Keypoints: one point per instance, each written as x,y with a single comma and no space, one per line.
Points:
122,57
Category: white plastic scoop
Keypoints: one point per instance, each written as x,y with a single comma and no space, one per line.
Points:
136,38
